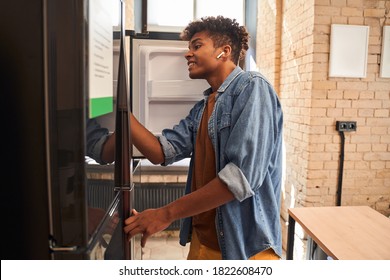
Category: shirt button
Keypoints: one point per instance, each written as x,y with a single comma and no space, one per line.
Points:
221,233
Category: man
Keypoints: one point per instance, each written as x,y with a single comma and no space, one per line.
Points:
234,138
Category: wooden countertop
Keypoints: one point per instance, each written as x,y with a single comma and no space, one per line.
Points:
347,232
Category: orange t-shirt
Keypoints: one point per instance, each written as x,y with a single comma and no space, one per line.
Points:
204,171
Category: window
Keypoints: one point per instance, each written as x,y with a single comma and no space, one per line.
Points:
174,15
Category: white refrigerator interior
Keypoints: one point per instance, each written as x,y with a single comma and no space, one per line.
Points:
163,93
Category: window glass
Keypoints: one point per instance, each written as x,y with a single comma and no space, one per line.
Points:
174,15
228,8
169,15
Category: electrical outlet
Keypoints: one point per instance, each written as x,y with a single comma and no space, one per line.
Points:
346,126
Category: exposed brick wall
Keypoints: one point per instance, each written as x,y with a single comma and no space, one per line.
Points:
313,102
129,14
269,40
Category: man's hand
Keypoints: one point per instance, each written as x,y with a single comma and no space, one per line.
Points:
146,223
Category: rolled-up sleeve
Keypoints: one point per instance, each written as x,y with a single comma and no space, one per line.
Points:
236,182
168,150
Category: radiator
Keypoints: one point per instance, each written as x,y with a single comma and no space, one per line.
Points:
100,193
146,195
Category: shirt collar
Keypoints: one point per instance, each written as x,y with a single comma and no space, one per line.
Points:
226,83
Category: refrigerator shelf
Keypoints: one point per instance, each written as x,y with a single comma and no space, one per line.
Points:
176,90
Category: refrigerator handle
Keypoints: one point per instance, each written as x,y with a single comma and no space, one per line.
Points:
54,248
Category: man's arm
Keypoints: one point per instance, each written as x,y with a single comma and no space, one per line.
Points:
150,221
142,138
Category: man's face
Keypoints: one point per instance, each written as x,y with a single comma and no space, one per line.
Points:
201,56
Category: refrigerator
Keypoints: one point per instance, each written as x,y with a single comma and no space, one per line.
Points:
161,95
63,62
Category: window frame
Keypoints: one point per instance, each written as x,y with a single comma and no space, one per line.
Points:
249,17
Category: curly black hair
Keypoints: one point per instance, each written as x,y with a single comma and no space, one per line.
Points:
223,31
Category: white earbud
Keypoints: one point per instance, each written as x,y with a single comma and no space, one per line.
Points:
219,56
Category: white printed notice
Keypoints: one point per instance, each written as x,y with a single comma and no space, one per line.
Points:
100,53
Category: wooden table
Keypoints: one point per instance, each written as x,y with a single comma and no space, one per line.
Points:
343,232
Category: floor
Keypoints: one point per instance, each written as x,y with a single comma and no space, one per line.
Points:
163,246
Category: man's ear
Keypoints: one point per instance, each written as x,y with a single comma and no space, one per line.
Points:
227,49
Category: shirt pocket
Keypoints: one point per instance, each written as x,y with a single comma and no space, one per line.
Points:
224,121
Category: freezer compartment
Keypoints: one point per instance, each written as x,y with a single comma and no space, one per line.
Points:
162,91
159,62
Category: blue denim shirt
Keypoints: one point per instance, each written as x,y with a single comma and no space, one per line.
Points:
96,136
246,131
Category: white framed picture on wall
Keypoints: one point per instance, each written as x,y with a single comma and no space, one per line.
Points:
385,54
348,51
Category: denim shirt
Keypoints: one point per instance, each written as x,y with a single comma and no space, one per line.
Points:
96,136
246,131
